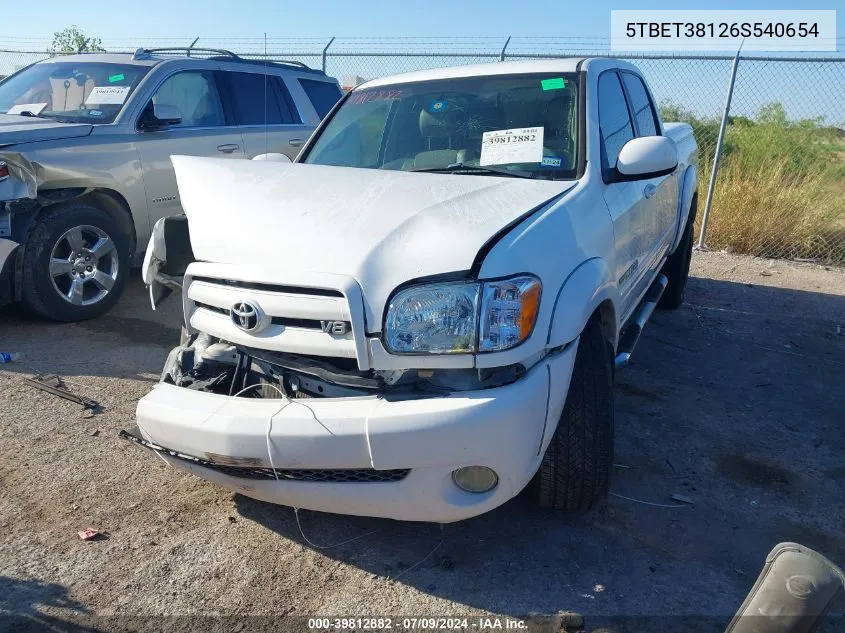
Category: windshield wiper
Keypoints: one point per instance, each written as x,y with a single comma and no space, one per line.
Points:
457,168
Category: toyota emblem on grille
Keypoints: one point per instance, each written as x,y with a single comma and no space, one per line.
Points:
248,317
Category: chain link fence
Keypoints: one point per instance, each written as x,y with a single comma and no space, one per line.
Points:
780,186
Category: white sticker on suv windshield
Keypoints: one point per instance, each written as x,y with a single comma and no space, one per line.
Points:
35,108
518,145
107,95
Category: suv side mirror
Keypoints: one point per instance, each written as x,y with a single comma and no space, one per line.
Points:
160,115
646,157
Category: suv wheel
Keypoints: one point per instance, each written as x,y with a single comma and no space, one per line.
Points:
575,472
75,263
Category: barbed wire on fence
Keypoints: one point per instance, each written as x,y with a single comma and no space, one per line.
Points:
780,190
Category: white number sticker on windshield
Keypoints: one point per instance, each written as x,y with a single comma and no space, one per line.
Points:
107,95
518,145
35,108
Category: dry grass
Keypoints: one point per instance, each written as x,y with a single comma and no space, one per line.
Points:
766,209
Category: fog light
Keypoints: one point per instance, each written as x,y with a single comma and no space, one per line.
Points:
475,478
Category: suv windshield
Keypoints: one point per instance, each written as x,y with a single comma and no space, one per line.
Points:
511,124
77,91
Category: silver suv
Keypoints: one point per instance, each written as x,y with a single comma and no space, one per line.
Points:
85,146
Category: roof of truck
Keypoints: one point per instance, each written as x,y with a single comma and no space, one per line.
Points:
562,65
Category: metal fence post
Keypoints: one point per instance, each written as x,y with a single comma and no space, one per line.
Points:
504,48
325,50
718,154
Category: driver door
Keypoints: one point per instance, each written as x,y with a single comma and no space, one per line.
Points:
203,131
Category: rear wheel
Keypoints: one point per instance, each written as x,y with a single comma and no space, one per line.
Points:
75,264
677,265
575,472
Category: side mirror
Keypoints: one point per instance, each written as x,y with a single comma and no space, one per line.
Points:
646,157
159,116
273,157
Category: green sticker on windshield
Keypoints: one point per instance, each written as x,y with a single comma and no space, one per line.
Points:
121,77
553,84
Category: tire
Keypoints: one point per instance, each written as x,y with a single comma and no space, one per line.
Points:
575,472
676,267
58,282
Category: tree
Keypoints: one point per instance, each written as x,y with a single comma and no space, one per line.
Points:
773,113
71,41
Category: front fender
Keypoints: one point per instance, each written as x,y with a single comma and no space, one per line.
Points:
587,287
689,185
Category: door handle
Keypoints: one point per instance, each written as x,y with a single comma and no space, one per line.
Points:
649,190
296,142
228,148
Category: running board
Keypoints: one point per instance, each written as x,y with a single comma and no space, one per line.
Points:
632,331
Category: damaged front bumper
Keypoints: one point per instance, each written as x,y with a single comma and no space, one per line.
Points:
18,182
380,454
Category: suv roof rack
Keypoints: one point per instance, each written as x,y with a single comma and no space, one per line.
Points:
222,55
220,52
260,61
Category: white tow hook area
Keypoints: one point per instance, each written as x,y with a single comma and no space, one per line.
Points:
7,247
159,283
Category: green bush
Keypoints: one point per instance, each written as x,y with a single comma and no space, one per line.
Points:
780,191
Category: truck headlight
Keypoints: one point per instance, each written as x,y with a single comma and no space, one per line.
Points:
462,317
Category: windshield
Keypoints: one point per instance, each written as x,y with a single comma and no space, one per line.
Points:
513,124
77,91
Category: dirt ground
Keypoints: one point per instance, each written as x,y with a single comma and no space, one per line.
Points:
736,401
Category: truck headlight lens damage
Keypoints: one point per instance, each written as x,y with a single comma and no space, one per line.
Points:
462,317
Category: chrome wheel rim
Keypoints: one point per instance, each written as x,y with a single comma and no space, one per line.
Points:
83,265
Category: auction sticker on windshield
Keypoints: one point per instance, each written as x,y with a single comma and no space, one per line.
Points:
107,95
35,108
517,145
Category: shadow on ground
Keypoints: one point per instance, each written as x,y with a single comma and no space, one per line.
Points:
734,402
129,341
23,605
728,403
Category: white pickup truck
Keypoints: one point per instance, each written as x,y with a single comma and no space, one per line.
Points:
423,313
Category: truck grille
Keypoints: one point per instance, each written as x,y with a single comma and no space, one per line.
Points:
299,320
349,475
321,475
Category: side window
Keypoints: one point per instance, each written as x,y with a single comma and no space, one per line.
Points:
641,105
323,95
248,91
195,95
614,119
247,96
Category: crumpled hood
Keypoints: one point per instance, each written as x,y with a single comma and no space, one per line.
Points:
382,228
16,129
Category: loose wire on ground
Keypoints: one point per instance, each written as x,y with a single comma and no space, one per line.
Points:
649,503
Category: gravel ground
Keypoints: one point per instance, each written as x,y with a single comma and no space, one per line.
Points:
735,401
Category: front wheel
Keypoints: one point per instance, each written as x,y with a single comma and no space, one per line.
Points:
75,264
575,472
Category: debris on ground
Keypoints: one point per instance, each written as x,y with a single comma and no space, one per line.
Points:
90,534
53,383
682,499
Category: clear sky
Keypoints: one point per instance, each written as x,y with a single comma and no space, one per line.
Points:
467,26
124,20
